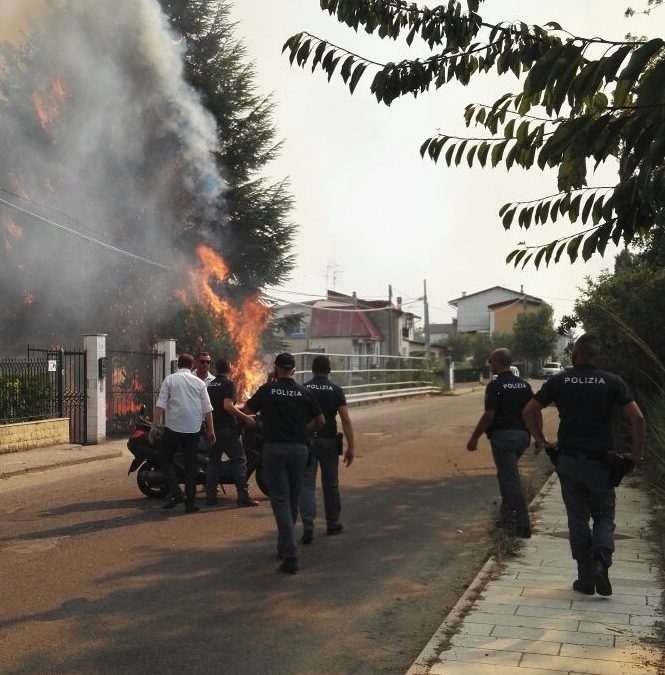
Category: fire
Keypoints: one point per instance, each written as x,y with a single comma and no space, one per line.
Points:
28,299
48,100
48,187
17,185
244,325
129,403
180,294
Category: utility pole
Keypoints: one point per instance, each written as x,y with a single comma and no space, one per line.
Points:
426,319
390,319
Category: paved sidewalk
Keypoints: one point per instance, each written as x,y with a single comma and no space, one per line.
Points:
529,621
41,459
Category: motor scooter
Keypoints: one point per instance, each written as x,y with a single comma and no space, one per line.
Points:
147,461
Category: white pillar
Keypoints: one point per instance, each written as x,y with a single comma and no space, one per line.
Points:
95,348
166,346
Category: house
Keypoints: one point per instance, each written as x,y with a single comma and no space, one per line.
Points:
492,310
346,324
440,332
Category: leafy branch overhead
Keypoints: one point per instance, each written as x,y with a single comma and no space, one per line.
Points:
579,101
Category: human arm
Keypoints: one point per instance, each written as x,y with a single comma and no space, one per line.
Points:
638,429
533,418
232,409
156,422
210,428
316,423
482,426
347,428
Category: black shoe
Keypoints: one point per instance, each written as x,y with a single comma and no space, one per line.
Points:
173,500
247,501
289,565
601,578
191,508
334,528
307,537
586,587
280,555
523,532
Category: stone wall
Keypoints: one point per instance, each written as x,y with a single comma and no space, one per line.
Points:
27,435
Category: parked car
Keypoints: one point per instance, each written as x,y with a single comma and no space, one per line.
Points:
551,368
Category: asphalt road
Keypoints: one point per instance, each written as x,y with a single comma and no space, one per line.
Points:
95,578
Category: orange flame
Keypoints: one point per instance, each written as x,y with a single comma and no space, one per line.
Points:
28,299
17,185
244,325
129,402
48,101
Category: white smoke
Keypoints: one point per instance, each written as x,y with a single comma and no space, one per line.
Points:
123,145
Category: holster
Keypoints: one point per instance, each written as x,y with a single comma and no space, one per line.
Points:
619,466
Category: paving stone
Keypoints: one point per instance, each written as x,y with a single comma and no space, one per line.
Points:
587,666
525,621
465,668
578,615
506,644
630,653
549,635
488,656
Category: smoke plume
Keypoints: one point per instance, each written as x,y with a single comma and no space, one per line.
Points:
101,135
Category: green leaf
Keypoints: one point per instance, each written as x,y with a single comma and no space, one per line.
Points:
508,218
346,68
449,154
508,129
482,153
589,247
597,211
586,210
574,210
497,152
357,74
471,155
511,255
560,250
636,66
460,152
548,252
519,256
572,247
539,257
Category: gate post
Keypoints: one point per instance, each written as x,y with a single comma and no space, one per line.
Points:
95,349
160,369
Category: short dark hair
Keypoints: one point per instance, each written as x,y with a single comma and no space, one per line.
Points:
587,347
200,354
223,366
502,356
185,361
321,364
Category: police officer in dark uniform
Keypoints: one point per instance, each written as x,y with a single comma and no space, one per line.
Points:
226,419
505,397
325,451
586,398
289,412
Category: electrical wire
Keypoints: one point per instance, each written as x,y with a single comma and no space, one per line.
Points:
331,309
80,235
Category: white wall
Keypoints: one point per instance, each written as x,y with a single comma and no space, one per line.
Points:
472,312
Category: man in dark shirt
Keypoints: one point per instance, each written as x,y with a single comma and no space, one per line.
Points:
288,412
325,452
505,397
226,419
587,398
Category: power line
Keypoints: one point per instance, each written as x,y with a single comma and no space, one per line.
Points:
80,235
332,309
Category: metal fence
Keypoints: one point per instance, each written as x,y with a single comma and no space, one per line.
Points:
25,390
372,377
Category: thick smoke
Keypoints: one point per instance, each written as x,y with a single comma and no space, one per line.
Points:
101,133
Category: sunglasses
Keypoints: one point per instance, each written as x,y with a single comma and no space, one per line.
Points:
204,361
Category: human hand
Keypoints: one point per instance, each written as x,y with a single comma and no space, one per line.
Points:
472,444
249,421
348,457
210,436
152,434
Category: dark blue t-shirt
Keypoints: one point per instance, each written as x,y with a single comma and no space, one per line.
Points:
218,390
507,395
286,408
586,398
330,397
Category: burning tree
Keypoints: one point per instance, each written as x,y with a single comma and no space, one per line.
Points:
116,174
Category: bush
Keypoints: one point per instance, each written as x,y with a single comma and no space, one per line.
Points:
24,397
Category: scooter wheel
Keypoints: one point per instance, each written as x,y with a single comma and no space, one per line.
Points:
152,491
261,480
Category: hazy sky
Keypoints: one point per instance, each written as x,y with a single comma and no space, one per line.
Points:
367,202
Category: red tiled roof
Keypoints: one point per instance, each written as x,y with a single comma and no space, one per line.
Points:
335,323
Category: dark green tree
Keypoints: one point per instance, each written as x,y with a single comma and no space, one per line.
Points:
256,233
534,336
578,102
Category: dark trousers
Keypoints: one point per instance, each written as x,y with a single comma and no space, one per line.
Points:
326,454
228,442
284,464
172,442
587,494
508,445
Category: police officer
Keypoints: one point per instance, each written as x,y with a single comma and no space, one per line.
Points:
325,452
226,419
289,412
586,398
505,397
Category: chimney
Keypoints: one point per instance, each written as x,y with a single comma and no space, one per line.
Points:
355,299
522,289
464,294
399,302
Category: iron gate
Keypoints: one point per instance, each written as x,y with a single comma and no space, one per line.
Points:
133,379
68,388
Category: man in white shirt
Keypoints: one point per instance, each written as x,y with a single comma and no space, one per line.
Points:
183,401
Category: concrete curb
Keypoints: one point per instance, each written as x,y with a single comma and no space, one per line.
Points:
112,454
421,665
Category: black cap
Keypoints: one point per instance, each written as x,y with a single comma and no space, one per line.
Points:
285,361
